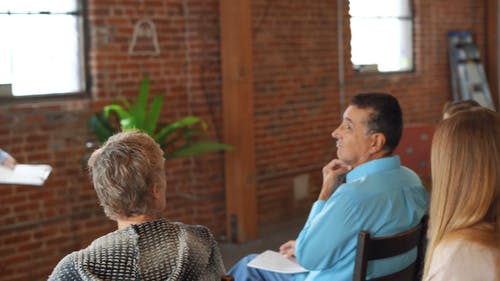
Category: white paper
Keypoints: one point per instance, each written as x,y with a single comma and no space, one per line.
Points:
27,174
274,261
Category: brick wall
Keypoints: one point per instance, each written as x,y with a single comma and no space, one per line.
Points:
298,91
297,105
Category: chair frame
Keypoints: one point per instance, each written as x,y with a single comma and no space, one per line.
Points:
384,247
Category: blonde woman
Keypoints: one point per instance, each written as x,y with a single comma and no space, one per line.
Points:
453,107
464,213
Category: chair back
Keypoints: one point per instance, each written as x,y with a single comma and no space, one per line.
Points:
369,248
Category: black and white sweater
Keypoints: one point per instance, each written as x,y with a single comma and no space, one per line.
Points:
155,250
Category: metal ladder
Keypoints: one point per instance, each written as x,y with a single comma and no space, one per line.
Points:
468,78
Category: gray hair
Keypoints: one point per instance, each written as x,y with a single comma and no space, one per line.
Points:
124,170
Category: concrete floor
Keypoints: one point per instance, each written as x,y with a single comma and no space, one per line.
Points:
270,237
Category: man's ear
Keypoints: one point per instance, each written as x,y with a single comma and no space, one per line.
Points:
377,143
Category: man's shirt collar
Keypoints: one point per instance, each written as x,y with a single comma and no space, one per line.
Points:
373,167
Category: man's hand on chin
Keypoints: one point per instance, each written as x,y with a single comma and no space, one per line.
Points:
333,176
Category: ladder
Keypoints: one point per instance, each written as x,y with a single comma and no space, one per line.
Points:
468,79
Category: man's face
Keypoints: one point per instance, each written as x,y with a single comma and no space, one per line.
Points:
353,140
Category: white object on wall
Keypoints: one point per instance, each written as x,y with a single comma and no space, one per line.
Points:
144,39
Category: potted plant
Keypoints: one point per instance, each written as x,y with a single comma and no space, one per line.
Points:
185,137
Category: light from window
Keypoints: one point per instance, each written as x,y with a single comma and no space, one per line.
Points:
381,35
41,49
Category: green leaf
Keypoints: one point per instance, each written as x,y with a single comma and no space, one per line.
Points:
152,117
129,124
185,122
140,108
185,135
198,148
100,126
127,120
118,109
178,139
125,103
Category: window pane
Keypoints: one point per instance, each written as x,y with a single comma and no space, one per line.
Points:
379,8
53,65
384,42
41,54
25,6
5,52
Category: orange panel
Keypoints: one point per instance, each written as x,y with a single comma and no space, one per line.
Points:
415,148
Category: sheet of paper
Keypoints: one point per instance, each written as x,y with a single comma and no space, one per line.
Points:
27,174
274,261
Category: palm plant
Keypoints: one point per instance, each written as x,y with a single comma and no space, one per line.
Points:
186,137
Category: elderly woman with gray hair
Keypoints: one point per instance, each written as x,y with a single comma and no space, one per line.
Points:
128,173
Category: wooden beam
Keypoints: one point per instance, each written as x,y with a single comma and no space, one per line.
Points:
491,37
237,99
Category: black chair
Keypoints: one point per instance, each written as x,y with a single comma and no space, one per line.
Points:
384,247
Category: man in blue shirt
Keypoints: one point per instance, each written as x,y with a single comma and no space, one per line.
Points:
365,188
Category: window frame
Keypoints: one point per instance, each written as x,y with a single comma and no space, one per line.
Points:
82,15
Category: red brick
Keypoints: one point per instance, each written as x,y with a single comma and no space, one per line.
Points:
296,103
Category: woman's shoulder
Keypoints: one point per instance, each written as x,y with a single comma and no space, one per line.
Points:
65,269
196,230
462,248
179,230
460,259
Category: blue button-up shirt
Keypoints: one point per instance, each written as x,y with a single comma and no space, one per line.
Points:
379,196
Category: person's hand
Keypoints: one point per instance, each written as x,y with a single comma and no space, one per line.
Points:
9,162
288,249
333,175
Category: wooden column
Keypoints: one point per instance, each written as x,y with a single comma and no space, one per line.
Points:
237,95
491,37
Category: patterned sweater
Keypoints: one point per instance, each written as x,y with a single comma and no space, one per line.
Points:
155,250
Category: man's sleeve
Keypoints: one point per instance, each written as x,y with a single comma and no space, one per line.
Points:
328,233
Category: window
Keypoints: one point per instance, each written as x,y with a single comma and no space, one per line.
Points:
381,35
41,49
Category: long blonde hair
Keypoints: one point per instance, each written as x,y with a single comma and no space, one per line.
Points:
465,162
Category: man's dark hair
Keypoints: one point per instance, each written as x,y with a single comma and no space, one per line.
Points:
386,116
